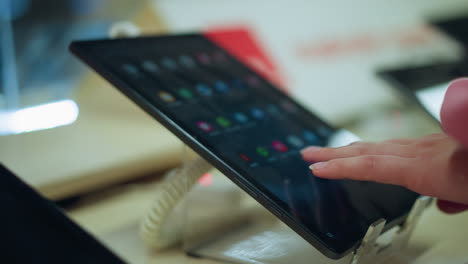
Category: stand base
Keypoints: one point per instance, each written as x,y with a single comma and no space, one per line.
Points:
271,242
264,243
277,244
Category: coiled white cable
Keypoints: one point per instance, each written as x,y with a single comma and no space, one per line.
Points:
156,230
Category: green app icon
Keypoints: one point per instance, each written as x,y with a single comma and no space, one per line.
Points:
224,122
185,93
262,151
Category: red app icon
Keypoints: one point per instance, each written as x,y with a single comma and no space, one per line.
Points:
279,146
244,157
204,126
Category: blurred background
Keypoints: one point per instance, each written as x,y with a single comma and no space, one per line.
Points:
377,68
67,132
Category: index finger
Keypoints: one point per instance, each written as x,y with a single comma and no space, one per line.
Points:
377,168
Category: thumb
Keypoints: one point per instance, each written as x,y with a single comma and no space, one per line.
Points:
454,110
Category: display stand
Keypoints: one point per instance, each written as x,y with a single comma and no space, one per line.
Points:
260,240
370,251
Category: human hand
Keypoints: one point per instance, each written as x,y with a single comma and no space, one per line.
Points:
434,165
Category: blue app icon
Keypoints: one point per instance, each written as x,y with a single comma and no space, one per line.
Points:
311,137
257,113
323,131
221,86
150,66
204,89
237,83
295,141
131,69
273,110
240,117
187,61
169,63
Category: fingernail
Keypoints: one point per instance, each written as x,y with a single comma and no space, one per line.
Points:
318,166
310,149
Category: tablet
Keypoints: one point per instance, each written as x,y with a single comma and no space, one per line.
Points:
425,85
249,130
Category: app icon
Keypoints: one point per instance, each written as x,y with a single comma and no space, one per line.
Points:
323,131
245,157
311,137
253,81
221,86
186,61
257,113
279,146
219,56
204,58
166,97
131,69
295,141
238,84
204,126
288,106
150,66
240,117
222,121
203,89
185,93
262,151
169,63
273,110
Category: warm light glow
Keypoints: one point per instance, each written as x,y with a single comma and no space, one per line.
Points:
38,117
206,180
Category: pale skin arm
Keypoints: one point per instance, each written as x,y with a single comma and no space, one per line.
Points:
434,165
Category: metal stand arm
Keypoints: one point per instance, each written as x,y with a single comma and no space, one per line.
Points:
370,251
